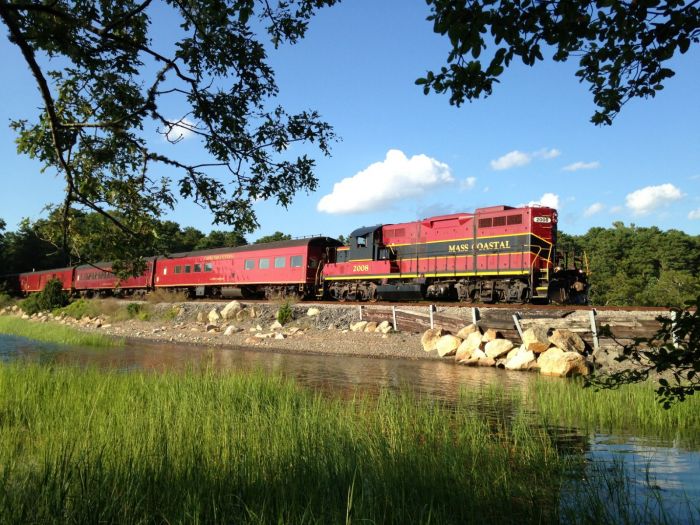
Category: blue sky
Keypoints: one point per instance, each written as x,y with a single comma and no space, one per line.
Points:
404,155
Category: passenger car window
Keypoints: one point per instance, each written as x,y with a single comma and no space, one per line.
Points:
187,268
197,267
264,264
280,262
296,261
208,267
249,264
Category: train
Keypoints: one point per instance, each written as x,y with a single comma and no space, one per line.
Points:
495,254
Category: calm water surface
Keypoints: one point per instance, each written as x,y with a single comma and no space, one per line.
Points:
669,467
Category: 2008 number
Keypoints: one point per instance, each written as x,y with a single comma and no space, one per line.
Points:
360,267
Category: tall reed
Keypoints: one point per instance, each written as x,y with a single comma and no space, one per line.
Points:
54,333
89,446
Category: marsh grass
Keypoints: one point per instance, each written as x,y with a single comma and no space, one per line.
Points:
54,333
625,410
87,446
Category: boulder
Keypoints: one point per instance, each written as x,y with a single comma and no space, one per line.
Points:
214,316
471,343
556,362
447,345
268,335
276,325
230,330
359,326
568,341
241,315
490,335
474,358
535,339
520,359
384,327
279,336
430,338
371,327
231,309
469,329
486,361
312,312
498,347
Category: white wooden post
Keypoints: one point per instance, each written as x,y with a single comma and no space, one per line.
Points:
516,321
432,323
393,315
359,307
475,316
594,329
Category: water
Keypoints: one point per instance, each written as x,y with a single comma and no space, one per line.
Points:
656,470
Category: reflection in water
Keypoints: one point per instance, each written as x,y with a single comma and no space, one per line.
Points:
675,472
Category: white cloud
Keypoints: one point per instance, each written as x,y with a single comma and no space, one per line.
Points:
694,215
551,200
582,166
511,160
396,177
514,159
468,183
616,209
545,153
182,129
647,199
594,208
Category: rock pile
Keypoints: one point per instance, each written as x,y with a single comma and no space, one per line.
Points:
552,352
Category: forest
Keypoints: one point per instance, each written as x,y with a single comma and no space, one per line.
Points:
627,265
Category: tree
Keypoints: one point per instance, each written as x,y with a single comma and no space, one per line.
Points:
623,47
673,354
277,236
220,239
110,82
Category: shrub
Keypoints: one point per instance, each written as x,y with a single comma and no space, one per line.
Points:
134,309
285,313
30,305
53,296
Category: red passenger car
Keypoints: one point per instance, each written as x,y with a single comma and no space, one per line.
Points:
30,282
495,254
270,269
99,279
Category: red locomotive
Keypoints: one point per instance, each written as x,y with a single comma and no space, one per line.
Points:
496,254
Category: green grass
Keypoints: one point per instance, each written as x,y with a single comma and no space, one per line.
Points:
54,333
630,409
86,446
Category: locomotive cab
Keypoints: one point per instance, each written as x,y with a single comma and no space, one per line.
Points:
365,244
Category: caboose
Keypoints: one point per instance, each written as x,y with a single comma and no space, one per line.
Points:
496,254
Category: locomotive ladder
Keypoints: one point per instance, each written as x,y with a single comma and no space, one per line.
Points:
541,283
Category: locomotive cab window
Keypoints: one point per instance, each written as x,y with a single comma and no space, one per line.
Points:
280,262
188,268
178,269
249,264
361,241
264,264
197,267
296,261
208,267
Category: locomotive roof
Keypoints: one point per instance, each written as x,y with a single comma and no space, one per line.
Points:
262,246
359,232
